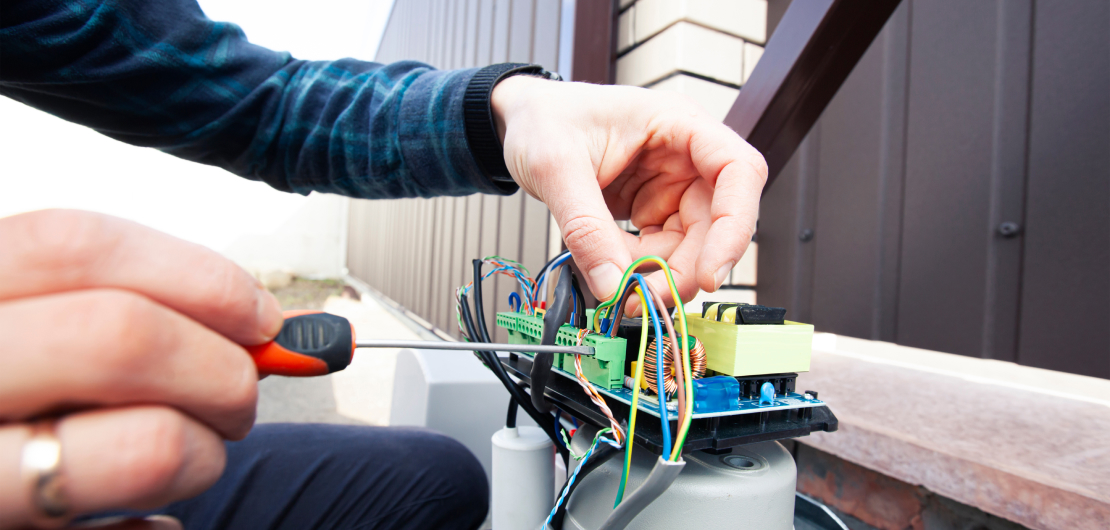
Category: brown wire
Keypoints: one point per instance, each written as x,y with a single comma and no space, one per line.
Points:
676,365
620,308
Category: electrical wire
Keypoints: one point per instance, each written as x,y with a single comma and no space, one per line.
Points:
649,311
510,415
555,262
661,477
592,392
479,307
635,402
567,489
676,377
670,374
505,267
605,308
522,397
664,420
600,456
553,319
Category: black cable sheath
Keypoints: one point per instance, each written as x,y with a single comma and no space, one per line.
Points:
510,416
580,316
518,393
553,319
602,454
479,308
494,364
479,312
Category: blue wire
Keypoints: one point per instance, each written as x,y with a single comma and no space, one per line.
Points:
573,312
570,481
543,274
514,296
558,427
662,394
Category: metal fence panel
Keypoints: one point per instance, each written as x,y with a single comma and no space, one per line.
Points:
417,251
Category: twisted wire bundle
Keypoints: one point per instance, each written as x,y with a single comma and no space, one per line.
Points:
697,366
595,396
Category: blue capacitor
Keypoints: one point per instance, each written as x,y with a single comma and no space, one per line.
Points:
716,394
767,394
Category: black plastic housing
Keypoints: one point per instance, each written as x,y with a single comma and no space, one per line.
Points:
713,434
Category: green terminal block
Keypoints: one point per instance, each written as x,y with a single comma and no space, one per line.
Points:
604,369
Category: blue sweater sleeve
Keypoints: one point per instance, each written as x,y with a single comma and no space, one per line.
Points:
159,73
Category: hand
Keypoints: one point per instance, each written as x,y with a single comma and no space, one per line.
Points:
597,153
129,337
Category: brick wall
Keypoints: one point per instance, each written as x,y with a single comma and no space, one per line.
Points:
868,500
705,49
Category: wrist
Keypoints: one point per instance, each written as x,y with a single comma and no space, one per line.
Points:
481,129
507,98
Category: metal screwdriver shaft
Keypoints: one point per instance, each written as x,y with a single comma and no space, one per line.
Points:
472,346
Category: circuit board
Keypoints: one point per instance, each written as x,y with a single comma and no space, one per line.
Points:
605,372
750,399
707,432
649,403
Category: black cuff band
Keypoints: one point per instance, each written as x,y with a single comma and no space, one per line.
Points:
481,129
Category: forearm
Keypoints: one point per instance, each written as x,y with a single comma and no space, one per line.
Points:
160,74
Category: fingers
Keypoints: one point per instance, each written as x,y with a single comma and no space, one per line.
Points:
696,220
134,458
737,172
108,347
589,231
53,251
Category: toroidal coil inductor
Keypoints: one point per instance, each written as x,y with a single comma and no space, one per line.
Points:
697,365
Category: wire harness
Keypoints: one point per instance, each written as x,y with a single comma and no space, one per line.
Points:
670,368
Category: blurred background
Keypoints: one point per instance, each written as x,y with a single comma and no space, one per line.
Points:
253,224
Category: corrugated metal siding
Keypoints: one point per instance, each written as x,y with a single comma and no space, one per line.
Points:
960,117
417,251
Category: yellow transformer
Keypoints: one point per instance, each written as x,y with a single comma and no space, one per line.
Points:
741,343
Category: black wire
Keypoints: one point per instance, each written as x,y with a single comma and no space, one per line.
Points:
479,308
519,394
510,416
479,312
602,454
553,319
580,315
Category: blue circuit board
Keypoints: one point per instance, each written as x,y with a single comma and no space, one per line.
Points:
649,403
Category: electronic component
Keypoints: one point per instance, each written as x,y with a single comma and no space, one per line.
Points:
715,394
605,368
790,416
697,364
736,347
750,385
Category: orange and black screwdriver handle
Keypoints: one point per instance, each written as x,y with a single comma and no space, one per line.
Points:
310,343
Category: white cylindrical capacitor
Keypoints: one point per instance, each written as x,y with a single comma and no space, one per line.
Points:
523,478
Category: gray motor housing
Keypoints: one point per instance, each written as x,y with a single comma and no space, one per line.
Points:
750,488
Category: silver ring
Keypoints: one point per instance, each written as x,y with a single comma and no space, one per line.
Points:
42,471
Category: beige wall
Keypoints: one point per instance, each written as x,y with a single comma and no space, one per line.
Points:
705,49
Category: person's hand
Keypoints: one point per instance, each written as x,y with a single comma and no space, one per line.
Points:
597,153
130,338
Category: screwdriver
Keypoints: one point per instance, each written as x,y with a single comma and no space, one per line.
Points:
314,343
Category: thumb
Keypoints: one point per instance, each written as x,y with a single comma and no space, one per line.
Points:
588,227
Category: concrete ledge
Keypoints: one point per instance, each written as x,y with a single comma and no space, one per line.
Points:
1024,444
